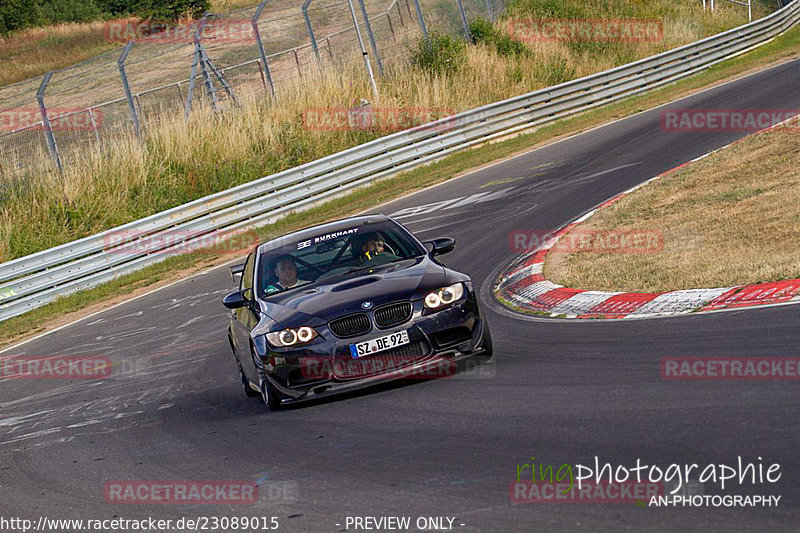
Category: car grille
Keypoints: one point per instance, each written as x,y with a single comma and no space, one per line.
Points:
382,362
350,326
392,314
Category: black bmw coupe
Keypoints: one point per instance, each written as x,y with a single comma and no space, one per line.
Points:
348,304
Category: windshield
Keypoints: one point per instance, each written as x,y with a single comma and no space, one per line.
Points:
329,255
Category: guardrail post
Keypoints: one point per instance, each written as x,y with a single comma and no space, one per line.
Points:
421,19
311,32
364,53
48,130
464,22
127,88
262,55
371,36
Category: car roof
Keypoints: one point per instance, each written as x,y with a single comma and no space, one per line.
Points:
328,227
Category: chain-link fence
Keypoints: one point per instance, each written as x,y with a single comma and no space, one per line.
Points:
264,50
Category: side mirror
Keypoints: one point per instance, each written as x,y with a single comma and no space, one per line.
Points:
236,270
235,300
441,246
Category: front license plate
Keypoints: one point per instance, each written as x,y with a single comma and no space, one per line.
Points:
387,342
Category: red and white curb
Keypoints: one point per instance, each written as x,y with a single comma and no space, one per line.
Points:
525,288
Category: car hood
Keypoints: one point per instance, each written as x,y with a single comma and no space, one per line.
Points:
317,303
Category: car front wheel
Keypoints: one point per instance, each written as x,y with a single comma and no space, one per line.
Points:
269,395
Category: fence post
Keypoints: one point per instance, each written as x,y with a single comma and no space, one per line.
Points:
48,130
421,19
311,32
192,79
263,56
364,53
391,27
220,74
297,62
399,13
490,9
464,22
94,127
127,88
371,36
204,68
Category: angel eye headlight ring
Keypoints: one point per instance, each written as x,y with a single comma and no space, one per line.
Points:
444,296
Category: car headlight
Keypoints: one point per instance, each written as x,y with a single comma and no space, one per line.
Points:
292,337
444,296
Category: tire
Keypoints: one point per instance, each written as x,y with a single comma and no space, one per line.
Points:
488,353
269,395
248,390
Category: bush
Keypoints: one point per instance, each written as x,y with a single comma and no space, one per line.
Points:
20,14
57,11
439,54
171,9
485,32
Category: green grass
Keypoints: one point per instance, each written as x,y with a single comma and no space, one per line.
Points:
783,47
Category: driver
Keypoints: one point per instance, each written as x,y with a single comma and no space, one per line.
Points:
373,246
286,271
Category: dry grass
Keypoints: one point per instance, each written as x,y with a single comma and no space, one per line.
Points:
32,52
177,162
729,219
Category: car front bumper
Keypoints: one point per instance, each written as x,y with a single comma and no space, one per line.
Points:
449,336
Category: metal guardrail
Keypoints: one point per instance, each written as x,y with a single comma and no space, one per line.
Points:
33,280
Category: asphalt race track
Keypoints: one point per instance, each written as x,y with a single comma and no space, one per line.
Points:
562,392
